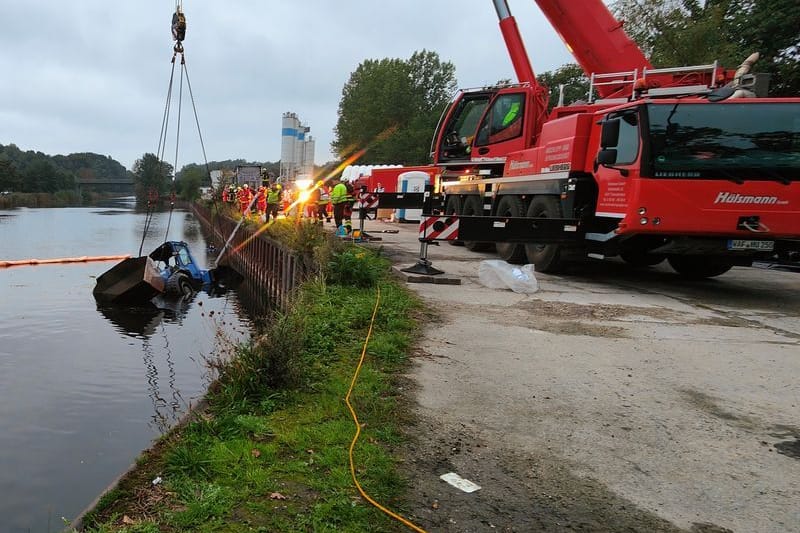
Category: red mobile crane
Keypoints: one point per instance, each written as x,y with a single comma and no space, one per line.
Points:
658,163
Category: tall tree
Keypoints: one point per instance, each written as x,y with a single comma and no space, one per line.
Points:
151,175
189,182
692,32
390,107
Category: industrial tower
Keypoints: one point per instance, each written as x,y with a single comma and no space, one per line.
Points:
297,148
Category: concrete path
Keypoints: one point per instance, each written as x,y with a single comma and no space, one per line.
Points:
679,397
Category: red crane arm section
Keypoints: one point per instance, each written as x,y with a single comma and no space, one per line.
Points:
516,50
593,36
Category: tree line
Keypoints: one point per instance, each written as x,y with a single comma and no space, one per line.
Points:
35,172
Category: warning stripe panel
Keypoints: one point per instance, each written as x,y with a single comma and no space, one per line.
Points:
368,201
439,228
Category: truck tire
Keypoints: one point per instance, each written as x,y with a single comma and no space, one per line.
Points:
511,206
453,207
178,285
699,266
545,257
474,207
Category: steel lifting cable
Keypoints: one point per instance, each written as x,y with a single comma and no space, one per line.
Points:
162,146
197,121
386,511
177,144
185,73
202,143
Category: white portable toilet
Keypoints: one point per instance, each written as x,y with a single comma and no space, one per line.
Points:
411,181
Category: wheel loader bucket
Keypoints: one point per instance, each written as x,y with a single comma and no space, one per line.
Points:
130,282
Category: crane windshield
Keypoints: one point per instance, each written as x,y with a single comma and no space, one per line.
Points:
734,141
461,125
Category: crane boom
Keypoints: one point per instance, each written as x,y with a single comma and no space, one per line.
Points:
514,43
594,37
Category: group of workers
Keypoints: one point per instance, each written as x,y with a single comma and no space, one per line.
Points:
318,202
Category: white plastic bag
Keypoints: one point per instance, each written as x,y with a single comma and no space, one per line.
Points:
497,274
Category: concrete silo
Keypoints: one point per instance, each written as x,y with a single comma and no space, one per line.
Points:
297,147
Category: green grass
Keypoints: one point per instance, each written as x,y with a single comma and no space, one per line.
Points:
277,425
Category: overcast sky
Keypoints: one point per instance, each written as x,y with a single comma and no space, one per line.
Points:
92,75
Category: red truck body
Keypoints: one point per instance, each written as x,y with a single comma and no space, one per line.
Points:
387,178
664,164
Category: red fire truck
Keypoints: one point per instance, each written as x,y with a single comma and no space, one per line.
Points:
685,164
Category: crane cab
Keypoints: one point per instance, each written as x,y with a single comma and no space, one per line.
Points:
484,125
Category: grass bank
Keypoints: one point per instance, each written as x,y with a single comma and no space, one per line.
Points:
270,452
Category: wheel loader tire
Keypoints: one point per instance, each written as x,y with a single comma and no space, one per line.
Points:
545,257
474,207
699,266
453,207
178,285
511,206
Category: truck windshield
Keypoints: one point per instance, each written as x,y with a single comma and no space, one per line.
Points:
461,126
734,141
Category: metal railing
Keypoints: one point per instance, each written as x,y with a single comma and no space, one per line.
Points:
271,270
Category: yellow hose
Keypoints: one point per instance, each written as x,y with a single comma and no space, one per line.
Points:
358,427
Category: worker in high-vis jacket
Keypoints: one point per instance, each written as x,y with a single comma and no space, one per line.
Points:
339,199
323,198
273,201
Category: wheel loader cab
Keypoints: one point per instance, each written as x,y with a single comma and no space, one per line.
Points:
174,256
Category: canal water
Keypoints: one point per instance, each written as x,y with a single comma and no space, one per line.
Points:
84,389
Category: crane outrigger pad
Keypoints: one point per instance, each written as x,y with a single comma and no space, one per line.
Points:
132,281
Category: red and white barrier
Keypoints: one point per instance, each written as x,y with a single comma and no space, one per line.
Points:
438,228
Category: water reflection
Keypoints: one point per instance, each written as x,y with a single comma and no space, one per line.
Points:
191,227
146,322
139,322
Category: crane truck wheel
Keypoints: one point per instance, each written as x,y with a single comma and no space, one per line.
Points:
473,207
699,266
511,206
545,257
453,207
178,285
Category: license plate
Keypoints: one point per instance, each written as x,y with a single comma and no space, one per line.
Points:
740,244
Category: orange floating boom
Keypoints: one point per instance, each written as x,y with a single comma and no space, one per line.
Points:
84,259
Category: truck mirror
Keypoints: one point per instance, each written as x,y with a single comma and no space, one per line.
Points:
607,156
609,136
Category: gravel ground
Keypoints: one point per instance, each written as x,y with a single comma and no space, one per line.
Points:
613,399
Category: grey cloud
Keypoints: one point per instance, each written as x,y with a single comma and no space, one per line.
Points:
91,75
